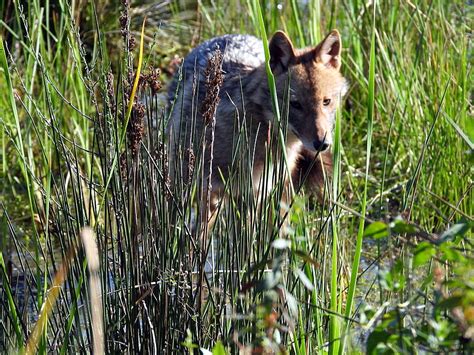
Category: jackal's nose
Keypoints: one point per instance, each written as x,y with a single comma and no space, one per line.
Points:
320,146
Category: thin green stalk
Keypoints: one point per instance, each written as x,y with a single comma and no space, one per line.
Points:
334,325
314,21
11,98
272,88
11,304
360,233
294,9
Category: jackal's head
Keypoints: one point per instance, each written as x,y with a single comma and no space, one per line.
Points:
316,86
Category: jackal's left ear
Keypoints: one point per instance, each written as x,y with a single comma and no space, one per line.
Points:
328,51
282,52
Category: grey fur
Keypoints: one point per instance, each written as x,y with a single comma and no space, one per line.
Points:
241,53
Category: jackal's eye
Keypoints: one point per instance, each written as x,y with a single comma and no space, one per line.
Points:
296,104
326,102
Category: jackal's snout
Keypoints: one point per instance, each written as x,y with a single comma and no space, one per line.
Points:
321,145
322,138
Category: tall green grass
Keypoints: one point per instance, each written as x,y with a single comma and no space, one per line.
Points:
383,264
360,232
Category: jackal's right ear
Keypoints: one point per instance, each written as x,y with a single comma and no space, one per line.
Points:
328,51
282,52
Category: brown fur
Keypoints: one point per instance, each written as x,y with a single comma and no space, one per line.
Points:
245,98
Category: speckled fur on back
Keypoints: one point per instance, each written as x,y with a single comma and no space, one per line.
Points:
316,87
242,53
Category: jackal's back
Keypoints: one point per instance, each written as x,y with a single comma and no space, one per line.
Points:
241,54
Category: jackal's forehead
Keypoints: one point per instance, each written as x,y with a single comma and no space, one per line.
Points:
316,80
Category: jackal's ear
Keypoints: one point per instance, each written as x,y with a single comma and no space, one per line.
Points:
282,52
328,51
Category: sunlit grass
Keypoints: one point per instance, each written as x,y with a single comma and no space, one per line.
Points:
403,157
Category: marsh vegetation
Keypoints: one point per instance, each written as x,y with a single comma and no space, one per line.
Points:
383,264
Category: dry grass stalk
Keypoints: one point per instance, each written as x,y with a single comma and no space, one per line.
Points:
95,290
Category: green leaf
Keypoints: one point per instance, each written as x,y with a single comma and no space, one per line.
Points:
401,226
451,302
375,338
458,229
188,342
389,320
393,279
423,253
376,230
218,349
450,253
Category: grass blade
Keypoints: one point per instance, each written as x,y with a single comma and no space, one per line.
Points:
360,233
334,325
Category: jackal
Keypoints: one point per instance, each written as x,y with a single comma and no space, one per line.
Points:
308,82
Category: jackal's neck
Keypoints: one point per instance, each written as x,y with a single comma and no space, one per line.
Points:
256,94
253,81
